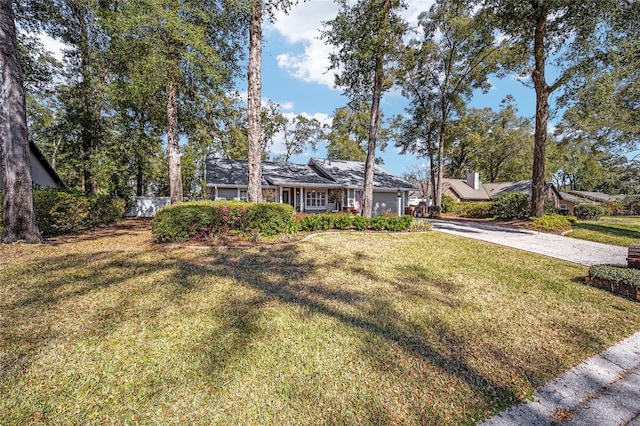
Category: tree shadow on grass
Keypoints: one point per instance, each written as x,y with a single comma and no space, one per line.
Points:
283,274
369,314
609,230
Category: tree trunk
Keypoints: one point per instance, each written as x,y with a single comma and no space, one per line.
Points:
175,168
254,192
19,222
542,116
88,122
369,167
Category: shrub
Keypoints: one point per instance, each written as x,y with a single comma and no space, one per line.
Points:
268,218
360,223
511,205
614,207
184,221
378,223
206,219
343,221
104,209
448,203
589,211
632,205
434,211
552,222
399,223
418,225
619,274
62,211
474,209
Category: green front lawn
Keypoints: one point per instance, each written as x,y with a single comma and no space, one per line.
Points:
616,230
343,328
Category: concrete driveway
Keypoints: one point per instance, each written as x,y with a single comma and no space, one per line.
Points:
573,250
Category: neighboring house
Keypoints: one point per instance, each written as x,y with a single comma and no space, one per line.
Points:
572,198
42,174
568,202
472,189
318,186
598,197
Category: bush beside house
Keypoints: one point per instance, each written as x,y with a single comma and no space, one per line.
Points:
64,211
202,220
512,205
205,220
589,211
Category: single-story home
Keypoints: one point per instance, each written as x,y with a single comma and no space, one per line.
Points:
598,197
472,189
318,186
42,174
569,201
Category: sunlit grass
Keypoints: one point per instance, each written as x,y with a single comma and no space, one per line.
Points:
616,230
341,328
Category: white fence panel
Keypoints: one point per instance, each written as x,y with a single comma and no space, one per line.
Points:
146,206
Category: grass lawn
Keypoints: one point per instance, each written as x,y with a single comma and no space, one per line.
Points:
616,230
108,328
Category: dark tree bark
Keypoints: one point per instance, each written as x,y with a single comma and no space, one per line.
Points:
369,167
19,223
542,117
254,191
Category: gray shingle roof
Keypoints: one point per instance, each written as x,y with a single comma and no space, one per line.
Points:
596,196
573,198
350,174
224,172
319,173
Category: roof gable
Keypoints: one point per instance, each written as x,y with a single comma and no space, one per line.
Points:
350,174
466,192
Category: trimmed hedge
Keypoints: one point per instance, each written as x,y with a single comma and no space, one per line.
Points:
511,205
323,222
206,219
589,211
618,274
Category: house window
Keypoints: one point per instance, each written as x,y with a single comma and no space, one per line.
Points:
563,207
243,195
317,199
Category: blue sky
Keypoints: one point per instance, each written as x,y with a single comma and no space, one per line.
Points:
294,75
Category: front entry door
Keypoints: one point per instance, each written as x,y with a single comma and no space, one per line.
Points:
286,196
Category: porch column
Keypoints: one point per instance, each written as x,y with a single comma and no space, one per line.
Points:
280,195
302,204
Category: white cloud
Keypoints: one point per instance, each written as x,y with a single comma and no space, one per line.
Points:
303,26
52,45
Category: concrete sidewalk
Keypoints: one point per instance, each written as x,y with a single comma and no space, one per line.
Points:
570,249
602,391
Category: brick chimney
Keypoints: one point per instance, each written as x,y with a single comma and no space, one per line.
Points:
473,180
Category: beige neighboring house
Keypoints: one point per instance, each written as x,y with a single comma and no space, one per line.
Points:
569,201
472,189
